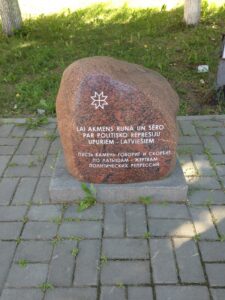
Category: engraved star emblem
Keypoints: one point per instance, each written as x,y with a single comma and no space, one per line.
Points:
99,100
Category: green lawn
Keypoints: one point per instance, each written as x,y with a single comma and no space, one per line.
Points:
32,61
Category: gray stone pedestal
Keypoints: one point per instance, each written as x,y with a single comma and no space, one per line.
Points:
65,188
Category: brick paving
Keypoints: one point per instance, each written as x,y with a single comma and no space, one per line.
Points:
128,251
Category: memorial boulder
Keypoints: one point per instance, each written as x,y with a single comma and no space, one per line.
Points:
117,122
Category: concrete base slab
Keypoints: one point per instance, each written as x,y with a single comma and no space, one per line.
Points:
65,188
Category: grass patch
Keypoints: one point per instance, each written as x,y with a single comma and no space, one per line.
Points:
75,238
120,285
51,136
34,123
57,220
222,238
147,200
18,240
89,197
74,252
46,286
104,260
12,164
57,239
32,61
197,237
22,263
147,235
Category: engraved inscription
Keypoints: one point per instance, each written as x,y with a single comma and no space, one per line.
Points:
123,135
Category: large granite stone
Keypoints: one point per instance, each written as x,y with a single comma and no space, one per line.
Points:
117,121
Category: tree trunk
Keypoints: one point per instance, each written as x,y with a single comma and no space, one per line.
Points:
192,11
10,15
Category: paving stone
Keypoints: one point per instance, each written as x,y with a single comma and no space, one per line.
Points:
112,293
211,131
12,213
189,140
218,294
7,189
39,230
212,251
44,212
48,167
187,165
204,197
25,190
34,251
13,120
180,133
87,262
219,159
136,224
207,123
51,124
55,146
7,251
94,212
23,166
171,227
85,229
26,146
5,129
125,248
62,264
220,170
114,220
219,213
41,194
203,166
31,276
126,272
9,141
188,128
163,262
87,293
10,230
7,150
182,292
203,222
171,211
211,143
189,264
207,183
137,293
41,146
42,132
223,181
215,272
22,294
189,149
18,131
221,140
4,159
